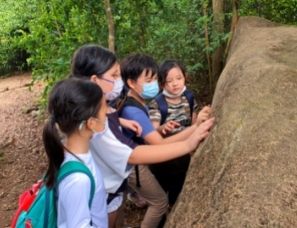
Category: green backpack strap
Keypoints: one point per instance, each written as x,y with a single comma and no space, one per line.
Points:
65,170
74,167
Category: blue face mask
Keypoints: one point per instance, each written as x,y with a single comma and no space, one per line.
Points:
150,90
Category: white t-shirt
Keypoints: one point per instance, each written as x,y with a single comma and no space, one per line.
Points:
111,151
74,195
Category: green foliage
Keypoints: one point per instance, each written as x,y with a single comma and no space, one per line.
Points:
58,28
14,16
46,33
167,29
282,11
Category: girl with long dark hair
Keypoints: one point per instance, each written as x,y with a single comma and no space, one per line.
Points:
77,110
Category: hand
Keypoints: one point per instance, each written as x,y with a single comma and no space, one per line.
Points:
168,127
204,114
201,132
132,125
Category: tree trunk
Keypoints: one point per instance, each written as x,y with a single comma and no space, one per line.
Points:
206,35
218,28
111,28
244,174
235,17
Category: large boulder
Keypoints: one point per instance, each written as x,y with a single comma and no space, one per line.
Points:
245,173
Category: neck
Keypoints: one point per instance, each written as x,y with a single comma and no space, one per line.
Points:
133,94
77,143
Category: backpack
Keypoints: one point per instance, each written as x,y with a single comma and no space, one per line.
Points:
37,206
130,101
163,106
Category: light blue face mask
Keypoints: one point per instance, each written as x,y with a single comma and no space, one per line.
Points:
150,90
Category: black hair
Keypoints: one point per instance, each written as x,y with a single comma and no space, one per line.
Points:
133,65
91,59
71,102
166,66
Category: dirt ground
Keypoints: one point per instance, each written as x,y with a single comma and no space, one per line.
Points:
22,159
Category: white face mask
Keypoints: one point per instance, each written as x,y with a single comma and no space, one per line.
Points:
118,85
170,95
100,133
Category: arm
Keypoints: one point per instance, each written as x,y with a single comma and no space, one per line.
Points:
155,137
158,153
149,134
204,114
132,125
165,128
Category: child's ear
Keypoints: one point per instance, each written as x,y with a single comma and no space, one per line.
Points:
94,78
90,123
131,83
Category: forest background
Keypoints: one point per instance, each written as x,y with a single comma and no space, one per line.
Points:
41,36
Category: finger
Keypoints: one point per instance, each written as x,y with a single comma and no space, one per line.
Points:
205,126
175,124
207,109
139,132
203,135
164,132
138,129
208,123
204,117
172,124
169,128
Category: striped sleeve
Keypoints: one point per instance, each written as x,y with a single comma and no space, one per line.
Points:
154,111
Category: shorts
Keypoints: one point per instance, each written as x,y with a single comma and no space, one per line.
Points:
115,203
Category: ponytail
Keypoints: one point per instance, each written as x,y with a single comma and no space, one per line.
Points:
54,150
70,102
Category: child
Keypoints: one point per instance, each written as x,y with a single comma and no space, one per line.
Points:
117,154
100,65
78,110
139,73
170,112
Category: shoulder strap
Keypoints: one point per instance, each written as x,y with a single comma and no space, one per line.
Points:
190,97
133,102
73,167
64,171
163,107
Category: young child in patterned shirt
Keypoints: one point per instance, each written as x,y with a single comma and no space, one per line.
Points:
171,112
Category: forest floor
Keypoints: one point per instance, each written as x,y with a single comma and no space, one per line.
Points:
22,158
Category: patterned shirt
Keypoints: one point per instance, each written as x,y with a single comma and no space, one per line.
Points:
178,112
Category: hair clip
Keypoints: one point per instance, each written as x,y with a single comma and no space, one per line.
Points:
81,125
57,126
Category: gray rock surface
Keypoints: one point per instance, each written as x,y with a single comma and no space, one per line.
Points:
245,173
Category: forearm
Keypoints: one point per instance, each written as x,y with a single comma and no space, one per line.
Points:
122,122
184,134
158,153
194,118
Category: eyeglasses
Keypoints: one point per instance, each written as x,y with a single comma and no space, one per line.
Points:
108,80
